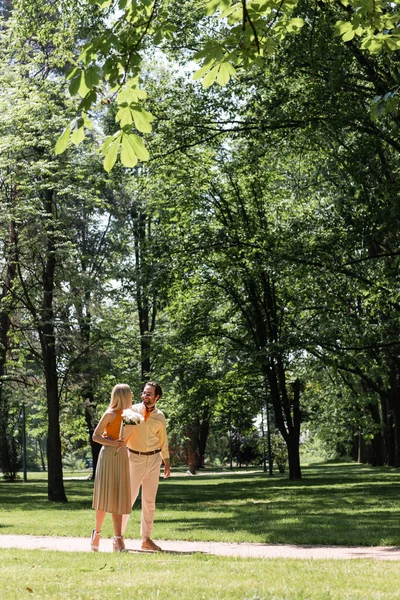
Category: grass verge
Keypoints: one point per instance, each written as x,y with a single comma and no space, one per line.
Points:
60,576
335,504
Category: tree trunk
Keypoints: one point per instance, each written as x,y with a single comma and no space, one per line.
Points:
375,454
191,449
55,488
146,305
90,418
293,446
86,368
56,491
204,430
388,432
5,325
287,416
394,403
145,336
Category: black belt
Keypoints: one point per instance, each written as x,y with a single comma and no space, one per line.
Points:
145,453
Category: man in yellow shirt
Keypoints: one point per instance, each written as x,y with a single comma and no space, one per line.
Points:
147,448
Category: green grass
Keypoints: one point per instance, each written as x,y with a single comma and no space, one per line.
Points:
335,504
344,504
84,576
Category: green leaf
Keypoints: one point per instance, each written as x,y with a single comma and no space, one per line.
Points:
348,36
83,88
87,102
127,95
63,140
128,155
297,22
212,6
108,141
294,25
71,73
138,146
342,26
124,116
391,44
143,120
226,12
206,67
374,46
226,71
211,76
92,77
78,136
87,122
111,156
157,38
75,83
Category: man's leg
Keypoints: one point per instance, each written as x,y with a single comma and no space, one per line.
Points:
149,492
137,470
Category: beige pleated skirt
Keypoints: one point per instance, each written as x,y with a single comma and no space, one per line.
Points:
112,490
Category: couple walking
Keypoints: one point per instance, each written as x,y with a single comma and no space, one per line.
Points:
131,457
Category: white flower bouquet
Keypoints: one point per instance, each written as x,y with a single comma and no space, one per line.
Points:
129,417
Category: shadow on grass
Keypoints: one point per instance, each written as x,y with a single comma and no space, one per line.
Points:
33,495
345,504
333,505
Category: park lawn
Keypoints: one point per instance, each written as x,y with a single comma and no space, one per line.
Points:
334,504
85,576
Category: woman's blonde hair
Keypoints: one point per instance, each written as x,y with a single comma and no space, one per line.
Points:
121,397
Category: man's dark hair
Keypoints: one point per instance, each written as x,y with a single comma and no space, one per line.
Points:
157,388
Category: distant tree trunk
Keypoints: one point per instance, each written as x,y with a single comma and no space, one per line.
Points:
146,295
394,404
191,449
56,491
5,325
388,431
145,336
204,430
42,453
197,436
45,322
293,438
354,443
82,308
91,422
361,449
287,413
266,325
375,453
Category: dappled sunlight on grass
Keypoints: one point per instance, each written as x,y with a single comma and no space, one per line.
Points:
344,504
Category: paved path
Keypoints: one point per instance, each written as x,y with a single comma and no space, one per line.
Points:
68,544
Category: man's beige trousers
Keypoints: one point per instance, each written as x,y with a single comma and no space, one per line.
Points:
145,472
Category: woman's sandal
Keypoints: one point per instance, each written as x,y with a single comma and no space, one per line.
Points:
118,544
95,540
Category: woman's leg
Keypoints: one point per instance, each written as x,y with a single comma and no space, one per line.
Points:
100,516
117,520
118,544
95,539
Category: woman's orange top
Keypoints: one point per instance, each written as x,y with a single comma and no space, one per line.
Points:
112,430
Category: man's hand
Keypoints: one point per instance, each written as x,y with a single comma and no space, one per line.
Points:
167,468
